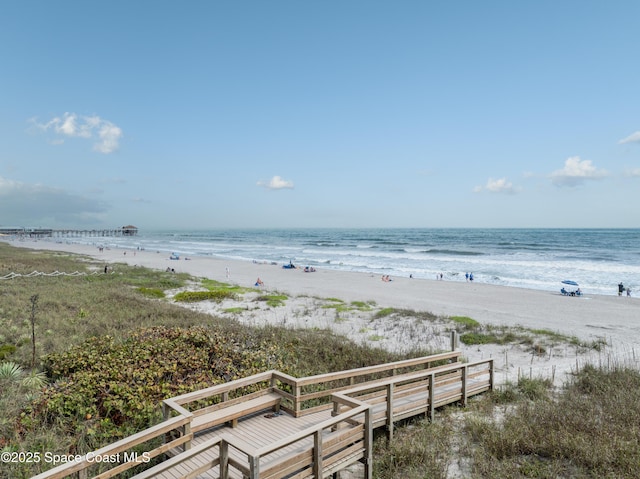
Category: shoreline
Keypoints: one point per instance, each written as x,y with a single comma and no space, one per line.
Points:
589,318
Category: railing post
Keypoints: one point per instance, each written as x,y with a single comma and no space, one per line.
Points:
224,459
254,467
491,375
335,412
296,400
454,340
432,398
390,390
187,431
368,443
464,385
317,454
166,412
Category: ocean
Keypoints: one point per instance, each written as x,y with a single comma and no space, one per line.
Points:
597,259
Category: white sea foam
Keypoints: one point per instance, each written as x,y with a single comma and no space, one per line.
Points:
537,258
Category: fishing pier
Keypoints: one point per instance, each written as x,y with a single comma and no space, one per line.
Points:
129,230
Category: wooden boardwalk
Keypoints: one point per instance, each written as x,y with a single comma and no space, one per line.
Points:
273,425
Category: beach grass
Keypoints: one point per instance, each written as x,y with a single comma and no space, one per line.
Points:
538,340
342,307
526,430
273,300
213,285
582,431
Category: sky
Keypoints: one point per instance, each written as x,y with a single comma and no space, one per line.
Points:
257,114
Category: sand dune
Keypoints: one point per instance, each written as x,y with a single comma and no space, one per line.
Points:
613,319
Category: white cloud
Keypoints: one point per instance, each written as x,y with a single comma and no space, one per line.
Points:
632,138
576,172
276,183
500,185
110,136
106,135
635,172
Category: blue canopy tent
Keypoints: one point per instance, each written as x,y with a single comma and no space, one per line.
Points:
570,288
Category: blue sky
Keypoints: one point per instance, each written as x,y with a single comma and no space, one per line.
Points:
207,114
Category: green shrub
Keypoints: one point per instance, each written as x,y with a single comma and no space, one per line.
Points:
152,292
363,306
384,312
478,338
116,387
465,322
195,296
273,300
6,350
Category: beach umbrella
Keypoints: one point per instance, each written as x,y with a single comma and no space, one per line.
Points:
569,282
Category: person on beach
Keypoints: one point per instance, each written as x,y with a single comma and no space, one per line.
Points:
628,291
620,288
259,282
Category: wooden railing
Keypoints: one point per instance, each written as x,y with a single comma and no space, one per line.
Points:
314,452
398,398
122,454
210,407
362,399
317,451
311,394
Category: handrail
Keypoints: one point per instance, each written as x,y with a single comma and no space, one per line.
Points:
169,463
221,388
414,376
296,384
274,446
388,388
252,468
318,378
171,404
89,459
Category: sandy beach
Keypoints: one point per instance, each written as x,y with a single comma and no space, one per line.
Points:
613,319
